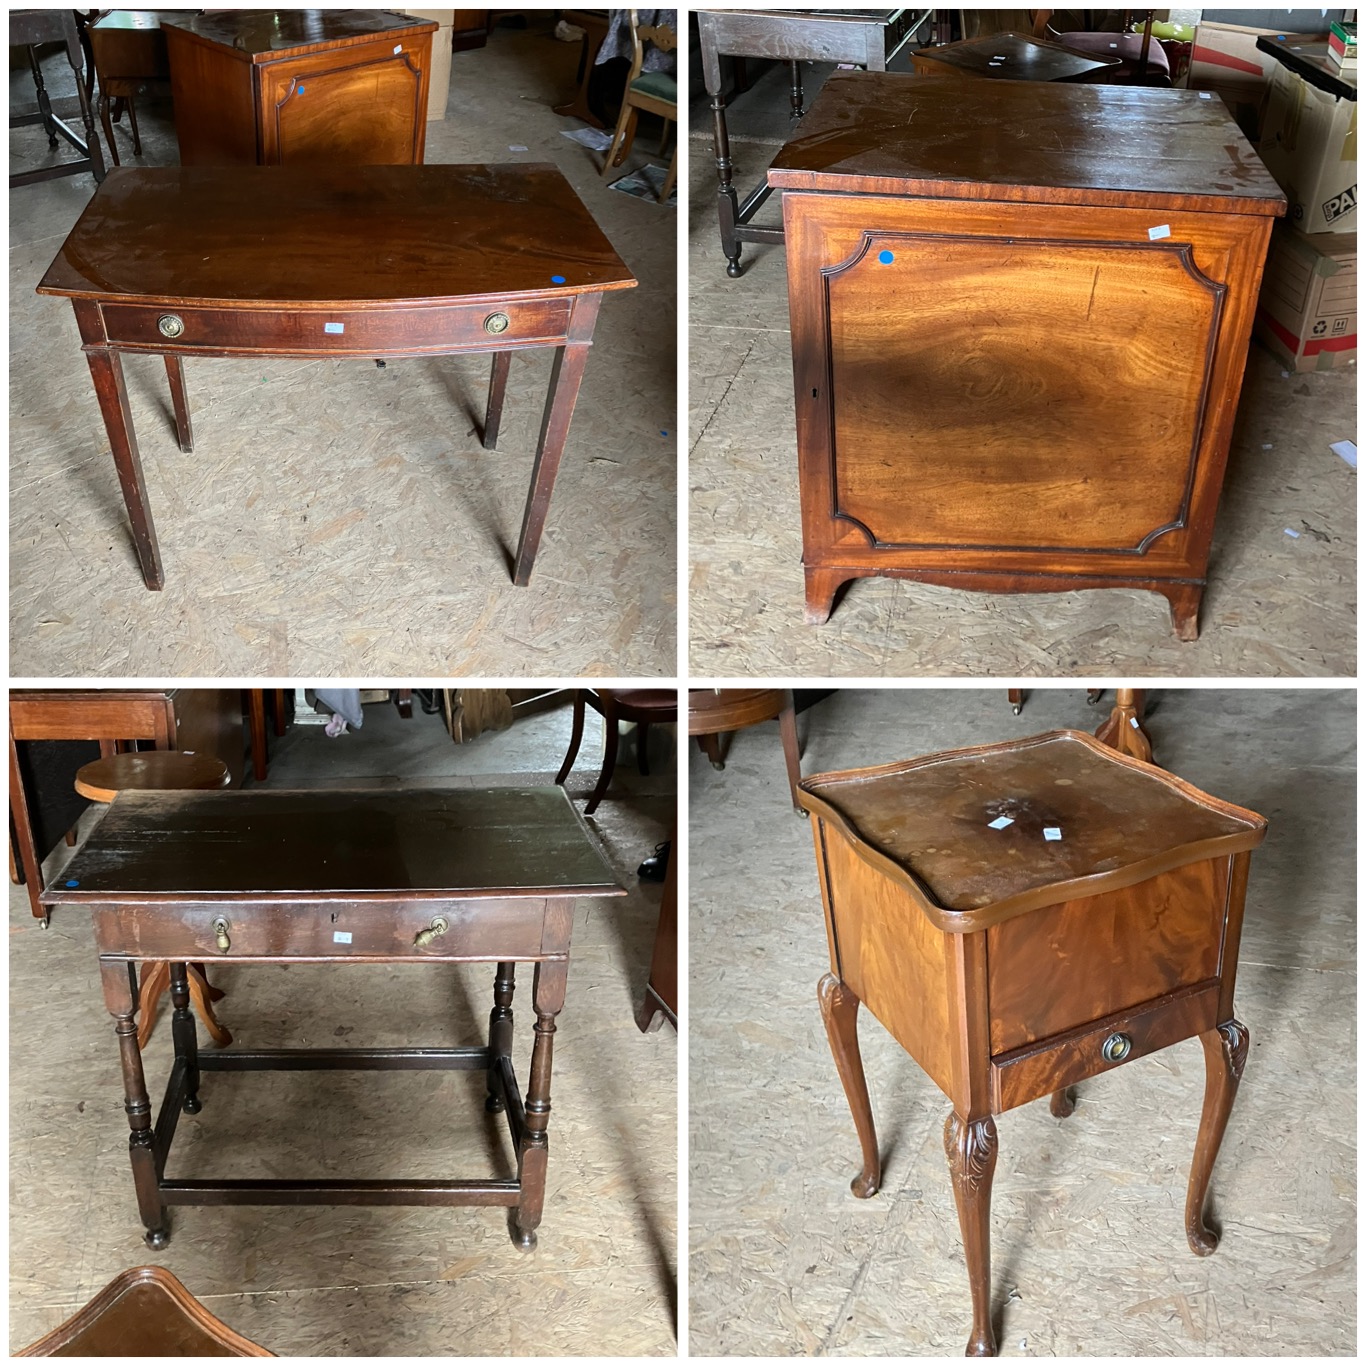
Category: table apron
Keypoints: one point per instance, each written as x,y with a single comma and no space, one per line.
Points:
494,326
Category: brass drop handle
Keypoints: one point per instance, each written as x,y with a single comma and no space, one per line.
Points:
1116,1048
496,323
169,325
438,927
220,929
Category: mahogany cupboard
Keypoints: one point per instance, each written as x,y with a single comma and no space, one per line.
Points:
1020,316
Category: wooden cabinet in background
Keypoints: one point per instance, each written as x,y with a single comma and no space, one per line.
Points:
469,29
1020,317
291,87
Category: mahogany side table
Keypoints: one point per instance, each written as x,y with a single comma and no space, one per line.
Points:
956,883
296,87
1020,318
401,875
368,261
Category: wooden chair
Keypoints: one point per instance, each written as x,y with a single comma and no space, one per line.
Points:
656,92
1142,59
644,706
161,770
144,1312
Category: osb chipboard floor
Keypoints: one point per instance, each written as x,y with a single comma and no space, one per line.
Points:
355,1281
340,519
1089,1255
1276,605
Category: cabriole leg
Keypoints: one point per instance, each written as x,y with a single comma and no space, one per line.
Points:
1225,1057
839,1010
971,1149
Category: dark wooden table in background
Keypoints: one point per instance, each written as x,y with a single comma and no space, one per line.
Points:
862,37
365,261
299,87
956,884
1009,57
1020,318
366,876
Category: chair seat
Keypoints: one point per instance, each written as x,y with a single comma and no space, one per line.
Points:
658,84
151,771
656,703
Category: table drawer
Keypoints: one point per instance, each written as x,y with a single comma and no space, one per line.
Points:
367,332
1040,1069
485,929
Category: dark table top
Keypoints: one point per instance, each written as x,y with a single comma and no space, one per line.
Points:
1025,141
1307,56
1016,57
334,235
365,843
932,818
264,35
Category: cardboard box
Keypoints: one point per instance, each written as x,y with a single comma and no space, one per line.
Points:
1225,59
1309,143
1307,309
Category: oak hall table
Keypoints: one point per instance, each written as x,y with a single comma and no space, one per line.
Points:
1019,328
861,37
290,86
1020,917
390,876
367,261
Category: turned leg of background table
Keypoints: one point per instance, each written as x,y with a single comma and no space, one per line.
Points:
107,371
787,726
797,110
500,1029
727,205
498,383
175,373
971,1149
121,999
565,378
1225,1056
547,999
839,1010
183,1032
1123,728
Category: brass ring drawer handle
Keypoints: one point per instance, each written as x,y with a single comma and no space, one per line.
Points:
1116,1048
220,929
438,927
496,323
169,325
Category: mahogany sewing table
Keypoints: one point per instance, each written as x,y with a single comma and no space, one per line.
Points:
1020,317
402,875
1021,916
336,261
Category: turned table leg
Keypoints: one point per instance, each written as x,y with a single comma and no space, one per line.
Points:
175,374
183,1034
1225,1056
498,383
106,368
727,205
500,1030
565,378
121,998
547,999
971,1149
839,1010
1123,728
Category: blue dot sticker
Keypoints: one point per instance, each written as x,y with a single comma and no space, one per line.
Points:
886,257
557,279
302,89
73,882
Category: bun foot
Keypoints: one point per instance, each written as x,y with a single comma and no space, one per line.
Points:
493,1105
193,1105
733,269
157,1238
524,1238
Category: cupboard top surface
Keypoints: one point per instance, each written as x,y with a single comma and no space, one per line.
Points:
884,133
264,35
372,844
968,831
333,235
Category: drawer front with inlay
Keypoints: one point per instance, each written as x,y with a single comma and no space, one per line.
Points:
394,331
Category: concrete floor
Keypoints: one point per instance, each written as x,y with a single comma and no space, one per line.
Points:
336,518
1089,1254
338,1281
1276,605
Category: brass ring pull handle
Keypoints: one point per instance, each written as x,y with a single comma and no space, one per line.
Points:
438,927
496,323
1116,1048
220,929
169,325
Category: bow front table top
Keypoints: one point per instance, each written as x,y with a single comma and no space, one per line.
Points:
314,261
1020,917
363,876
